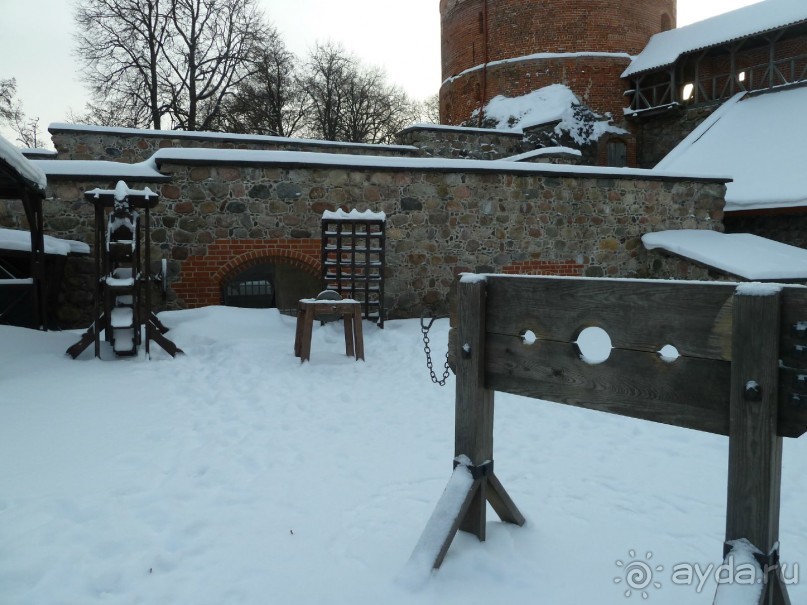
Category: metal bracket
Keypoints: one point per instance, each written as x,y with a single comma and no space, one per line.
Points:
478,472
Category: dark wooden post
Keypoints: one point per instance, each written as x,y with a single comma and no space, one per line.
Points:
755,449
474,403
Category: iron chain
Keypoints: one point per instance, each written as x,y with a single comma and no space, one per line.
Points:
426,349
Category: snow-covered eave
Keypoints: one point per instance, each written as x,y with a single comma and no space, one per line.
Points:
18,168
302,159
539,56
758,207
92,170
640,66
198,135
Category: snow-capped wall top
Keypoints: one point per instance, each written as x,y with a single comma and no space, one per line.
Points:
665,48
759,141
28,171
198,134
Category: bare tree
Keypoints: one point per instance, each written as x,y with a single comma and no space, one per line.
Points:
121,44
271,101
11,114
353,102
9,105
329,68
430,109
215,46
145,60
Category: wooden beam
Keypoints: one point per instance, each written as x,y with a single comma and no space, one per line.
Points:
695,318
474,401
688,392
755,449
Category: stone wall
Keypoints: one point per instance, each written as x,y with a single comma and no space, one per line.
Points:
216,217
77,142
457,142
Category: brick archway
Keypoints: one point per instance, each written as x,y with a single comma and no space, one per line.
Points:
201,277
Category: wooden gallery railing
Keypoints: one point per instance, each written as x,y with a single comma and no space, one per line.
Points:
737,374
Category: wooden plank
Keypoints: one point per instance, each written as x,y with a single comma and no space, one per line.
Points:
640,315
692,393
502,503
474,402
793,343
755,450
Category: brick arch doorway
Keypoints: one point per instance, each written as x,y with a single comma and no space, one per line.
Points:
271,281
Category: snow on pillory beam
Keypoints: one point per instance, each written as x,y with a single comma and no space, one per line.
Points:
742,254
23,166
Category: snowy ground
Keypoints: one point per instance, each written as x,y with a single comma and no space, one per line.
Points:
234,474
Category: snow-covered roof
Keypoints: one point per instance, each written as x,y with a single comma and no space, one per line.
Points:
308,160
199,135
10,155
748,256
760,141
14,239
664,48
143,171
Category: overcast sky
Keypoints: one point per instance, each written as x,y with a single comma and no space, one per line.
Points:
402,36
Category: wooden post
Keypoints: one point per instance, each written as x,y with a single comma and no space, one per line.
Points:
755,449
474,403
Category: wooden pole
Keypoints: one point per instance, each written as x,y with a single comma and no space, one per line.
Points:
474,403
755,449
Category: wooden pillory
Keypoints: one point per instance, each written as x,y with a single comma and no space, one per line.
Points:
738,375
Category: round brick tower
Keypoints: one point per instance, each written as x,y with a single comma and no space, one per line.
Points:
511,47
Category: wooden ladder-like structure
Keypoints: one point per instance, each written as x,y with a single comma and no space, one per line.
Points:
122,276
353,263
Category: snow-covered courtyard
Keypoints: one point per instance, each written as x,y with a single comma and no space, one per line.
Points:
236,475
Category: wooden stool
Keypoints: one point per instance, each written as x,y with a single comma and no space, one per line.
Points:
308,309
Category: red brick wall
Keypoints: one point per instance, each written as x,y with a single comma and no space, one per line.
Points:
515,28
595,80
202,276
567,268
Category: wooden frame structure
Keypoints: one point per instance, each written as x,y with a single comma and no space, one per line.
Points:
741,373
14,185
353,251
662,88
119,273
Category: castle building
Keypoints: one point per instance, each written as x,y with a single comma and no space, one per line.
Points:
511,47
648,148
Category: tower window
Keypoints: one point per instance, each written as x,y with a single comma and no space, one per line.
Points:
666,22
481,22
617,153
